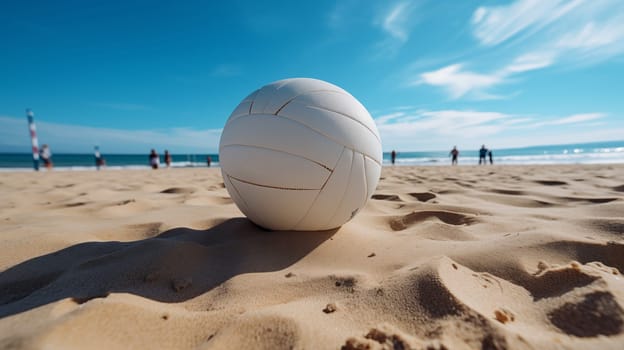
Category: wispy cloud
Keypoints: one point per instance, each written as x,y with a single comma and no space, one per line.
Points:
577,118
429,130
560,29
573,119
341,12
441,120
441,124
528,62
458,81
593,35
396,22
592,42
494,24
537,35
78,138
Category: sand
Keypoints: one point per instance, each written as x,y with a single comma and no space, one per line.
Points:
493,257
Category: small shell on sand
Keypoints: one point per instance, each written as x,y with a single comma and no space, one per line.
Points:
504,315
331,307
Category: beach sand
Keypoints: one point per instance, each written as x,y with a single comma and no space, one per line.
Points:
492,257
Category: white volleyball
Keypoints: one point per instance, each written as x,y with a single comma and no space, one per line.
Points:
300,154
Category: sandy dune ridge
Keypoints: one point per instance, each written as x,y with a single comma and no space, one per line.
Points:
494,257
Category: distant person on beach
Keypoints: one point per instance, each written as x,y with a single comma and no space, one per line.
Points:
454,153
99,160
167,158
154,159
393,155
46,156
482,153
490,156
208,161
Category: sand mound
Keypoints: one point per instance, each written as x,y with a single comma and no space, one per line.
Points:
177,190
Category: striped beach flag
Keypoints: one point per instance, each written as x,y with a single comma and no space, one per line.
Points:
33,138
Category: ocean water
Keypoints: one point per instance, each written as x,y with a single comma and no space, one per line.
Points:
584,153
64,161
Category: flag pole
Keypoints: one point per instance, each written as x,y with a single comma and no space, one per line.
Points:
33,138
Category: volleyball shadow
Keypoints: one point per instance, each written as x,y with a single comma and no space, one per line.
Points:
175,266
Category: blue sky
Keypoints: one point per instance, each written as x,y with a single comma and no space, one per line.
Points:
132,75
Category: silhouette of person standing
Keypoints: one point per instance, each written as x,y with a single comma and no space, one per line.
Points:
167,158
99,160
393,155
454,155
490,156
154,159
46,156
482,153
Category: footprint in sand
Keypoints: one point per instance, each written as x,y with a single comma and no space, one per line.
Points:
75,204
178,190
551,182
508,192
516,201
423,196
598,313
591,200
609,226
447,217
65,186
610,254
387,197
555,281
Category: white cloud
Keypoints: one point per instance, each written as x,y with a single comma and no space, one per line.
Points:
81,139
345,13
551,32
396,23
530,61
556,28
441,122
572,119
578,118
458,82
594,35
389,117
440,129
495,24
517,121
458,119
